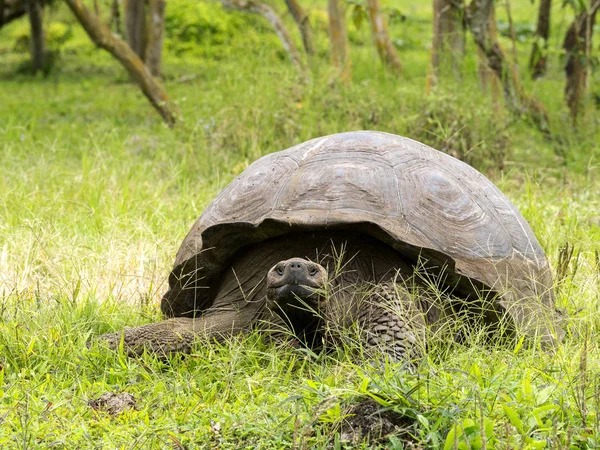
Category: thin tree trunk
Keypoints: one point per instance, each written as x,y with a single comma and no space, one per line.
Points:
301,19
135,26
577,45
517,100
115,17
268,13
155,36
513,34
383,43
338,37
537,61
35,10
101,35
487,77
448,36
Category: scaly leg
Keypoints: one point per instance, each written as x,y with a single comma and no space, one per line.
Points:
389,319
179,334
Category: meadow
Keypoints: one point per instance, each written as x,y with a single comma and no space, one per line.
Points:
96,194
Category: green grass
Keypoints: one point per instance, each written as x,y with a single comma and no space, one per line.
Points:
96,194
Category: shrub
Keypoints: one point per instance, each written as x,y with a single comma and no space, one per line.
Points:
465,129
57,33
207,30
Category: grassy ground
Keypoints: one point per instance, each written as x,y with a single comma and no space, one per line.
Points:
96,194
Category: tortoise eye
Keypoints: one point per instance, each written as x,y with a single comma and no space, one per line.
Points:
279,270
312,271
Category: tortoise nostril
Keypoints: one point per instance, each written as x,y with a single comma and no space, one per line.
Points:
295,266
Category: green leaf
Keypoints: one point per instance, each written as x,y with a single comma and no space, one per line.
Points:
526,386
519,345
541,412
450,438
364,385
311,384
466,436
533,443
357,16
488,426
396,444
513,418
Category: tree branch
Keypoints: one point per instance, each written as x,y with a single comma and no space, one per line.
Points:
269,13
517,100
301,19
104,38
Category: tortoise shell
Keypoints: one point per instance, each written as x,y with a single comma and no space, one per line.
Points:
422,202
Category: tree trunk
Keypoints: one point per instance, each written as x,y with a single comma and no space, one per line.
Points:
155,36
383,43
482,26
268,13
537,61
448,44
487,77
135,26
301,19
115,17
577,45
338,37
103,38
35,10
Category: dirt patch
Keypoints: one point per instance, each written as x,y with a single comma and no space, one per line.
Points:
369,420
112,403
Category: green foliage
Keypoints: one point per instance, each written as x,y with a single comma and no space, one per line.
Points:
523,31
578,6
470,435
57,33
470,133
205,29
189,25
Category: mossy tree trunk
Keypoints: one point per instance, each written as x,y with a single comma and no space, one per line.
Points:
482,27
135,26
338,38
448,43
537,61
101,35
383,43
35,11
578,45
115,17
301,19
156,28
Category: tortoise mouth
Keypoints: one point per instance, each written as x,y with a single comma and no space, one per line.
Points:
293,296
293,290
294,282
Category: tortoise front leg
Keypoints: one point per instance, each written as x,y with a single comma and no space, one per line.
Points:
392,322
179,334
387,317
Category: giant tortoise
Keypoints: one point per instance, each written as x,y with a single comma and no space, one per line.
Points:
297,236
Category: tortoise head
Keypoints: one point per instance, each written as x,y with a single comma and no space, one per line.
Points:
294,285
